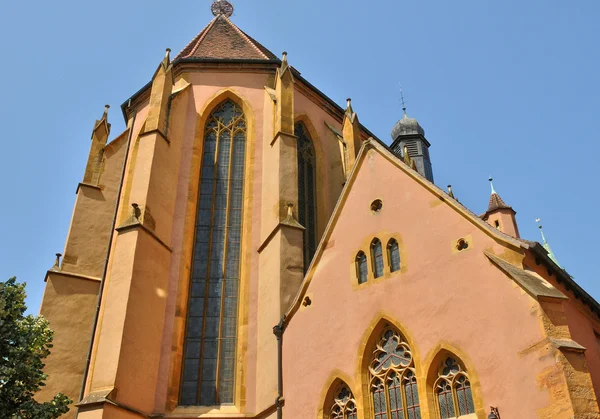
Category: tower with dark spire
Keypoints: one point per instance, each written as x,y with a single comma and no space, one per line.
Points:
500,215
409,136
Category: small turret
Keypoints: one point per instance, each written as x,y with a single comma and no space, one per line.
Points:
500,215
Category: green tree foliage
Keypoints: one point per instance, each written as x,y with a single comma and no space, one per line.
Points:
24,343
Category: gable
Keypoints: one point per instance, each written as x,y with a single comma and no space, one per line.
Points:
410,204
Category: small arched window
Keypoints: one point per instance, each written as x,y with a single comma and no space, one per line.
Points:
344,405
453,390
377,257
393,380
362,270
393,255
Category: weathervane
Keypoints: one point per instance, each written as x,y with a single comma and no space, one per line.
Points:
221,7
402,99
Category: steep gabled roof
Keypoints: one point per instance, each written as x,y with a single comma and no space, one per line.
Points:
222,40
496,234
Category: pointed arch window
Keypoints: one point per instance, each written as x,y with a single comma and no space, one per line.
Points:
393,255
393,380
344,405
453,390
377,258
362,269
307,204
211,330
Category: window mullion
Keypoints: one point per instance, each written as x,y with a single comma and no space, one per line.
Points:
207,278
224,272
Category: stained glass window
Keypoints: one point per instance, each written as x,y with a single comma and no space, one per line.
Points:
362,270
393,381
453,390
307,204
393,255
211,335
344,405
377,257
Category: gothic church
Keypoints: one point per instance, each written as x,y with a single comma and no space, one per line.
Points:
247,249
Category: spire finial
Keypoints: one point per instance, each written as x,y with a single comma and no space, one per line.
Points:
106,108
539,221
546,245
492,184
402,99
222,7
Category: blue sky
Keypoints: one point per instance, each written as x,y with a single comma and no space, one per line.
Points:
504,88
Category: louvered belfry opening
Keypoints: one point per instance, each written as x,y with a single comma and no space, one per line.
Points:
211,332
306,191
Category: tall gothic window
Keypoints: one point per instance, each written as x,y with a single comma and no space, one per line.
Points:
362,269
344,405
393,255
393,379
307,203
453,390
377,258
210,344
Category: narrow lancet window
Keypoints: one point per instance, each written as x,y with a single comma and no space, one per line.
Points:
362,269
211,335
307,203
393,255
343,405
377,258
393,380
453,390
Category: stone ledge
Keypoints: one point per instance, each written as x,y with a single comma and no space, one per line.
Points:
139,226
278,227
87,185
72,275
155,131
281,133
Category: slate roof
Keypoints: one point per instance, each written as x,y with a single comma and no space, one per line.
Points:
222,40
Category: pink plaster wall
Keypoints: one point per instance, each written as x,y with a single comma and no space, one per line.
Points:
459,298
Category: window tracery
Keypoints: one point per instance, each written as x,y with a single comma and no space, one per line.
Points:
362,270
393,255
453,390
211,330
377,257
393,381
344,405
307,166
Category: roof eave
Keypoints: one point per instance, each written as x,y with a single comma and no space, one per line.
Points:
564,276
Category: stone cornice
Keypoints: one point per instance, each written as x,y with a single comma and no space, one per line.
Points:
139,226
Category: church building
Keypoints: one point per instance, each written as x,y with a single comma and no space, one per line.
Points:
246,248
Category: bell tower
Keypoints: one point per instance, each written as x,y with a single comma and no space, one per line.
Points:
408,135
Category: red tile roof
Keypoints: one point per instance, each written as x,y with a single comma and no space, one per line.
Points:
222,40
496,203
